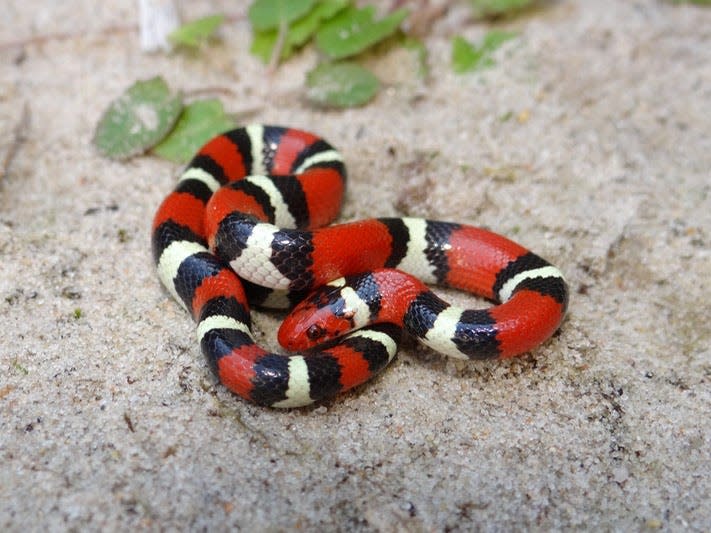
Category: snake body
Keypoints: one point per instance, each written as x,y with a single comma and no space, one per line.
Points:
247,222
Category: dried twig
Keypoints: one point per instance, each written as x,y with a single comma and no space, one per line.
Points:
278,48
201,91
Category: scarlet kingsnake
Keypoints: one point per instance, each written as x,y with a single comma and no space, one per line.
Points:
228,214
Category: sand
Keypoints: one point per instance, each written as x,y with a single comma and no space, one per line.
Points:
589,142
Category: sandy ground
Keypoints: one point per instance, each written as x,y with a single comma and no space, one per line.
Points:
589,142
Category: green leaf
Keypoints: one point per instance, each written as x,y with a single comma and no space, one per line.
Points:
298,33
263,43
354,30
200,121
270,14
196,32
343,84
138,119
467,57
495,38
498,8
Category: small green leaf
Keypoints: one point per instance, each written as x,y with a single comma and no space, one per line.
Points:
298,33
270,14
495,38
196,32
200,121
138,119
263,44
498,8
467,57
354,30
341,85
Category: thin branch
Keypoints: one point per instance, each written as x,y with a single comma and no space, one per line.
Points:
278,47
201,91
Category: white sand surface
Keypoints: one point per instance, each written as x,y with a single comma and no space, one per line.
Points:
589,142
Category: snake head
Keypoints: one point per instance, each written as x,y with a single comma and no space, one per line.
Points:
320,318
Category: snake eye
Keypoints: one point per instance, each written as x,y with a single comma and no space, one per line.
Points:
315,332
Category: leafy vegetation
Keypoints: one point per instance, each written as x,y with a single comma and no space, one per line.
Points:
355,30
138,120
339,29
197,32
150,116
343,84
467,57
198,123
297,34
270,14
498,8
